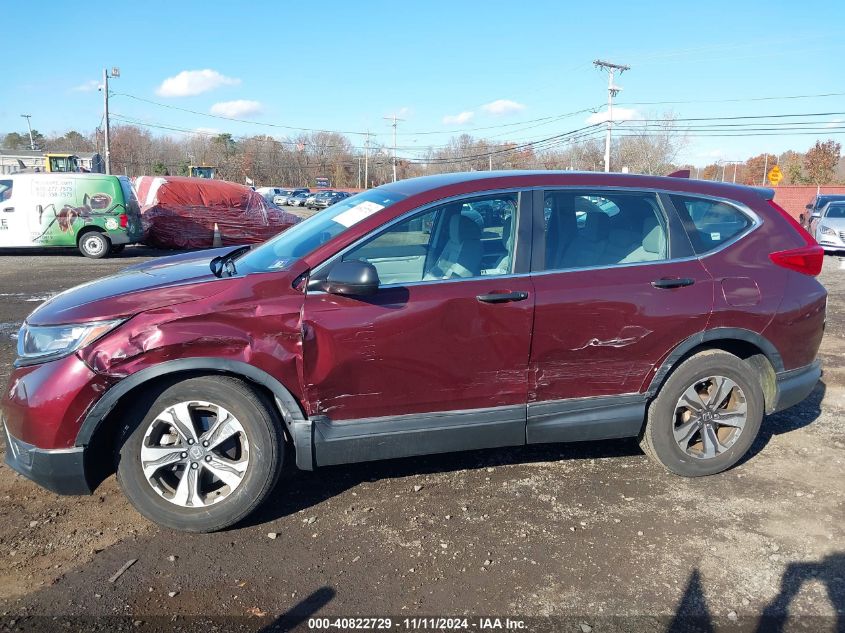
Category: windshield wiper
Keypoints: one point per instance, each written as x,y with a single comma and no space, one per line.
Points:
226,262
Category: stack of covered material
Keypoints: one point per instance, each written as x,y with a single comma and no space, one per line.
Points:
179,212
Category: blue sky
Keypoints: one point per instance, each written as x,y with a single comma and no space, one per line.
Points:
442,66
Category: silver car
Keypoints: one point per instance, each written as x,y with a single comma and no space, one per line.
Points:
828,226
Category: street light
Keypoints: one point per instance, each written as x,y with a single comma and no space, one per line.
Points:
29,125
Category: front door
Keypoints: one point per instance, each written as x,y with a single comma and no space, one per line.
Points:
437,360
616,290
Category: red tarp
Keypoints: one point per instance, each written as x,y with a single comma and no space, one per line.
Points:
180,212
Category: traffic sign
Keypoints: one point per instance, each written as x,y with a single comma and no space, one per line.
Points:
775,175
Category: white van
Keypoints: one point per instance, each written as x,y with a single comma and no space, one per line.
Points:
95,213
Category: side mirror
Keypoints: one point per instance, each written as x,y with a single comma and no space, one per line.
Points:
816,215
353,278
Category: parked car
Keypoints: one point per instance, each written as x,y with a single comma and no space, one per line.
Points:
268,192
309,200
95,213
401,322
298,200
283,199
321,202
828,226
817,203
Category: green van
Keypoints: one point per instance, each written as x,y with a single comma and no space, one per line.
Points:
95,213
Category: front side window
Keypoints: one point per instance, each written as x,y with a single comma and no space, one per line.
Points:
588,229
710,223
462,239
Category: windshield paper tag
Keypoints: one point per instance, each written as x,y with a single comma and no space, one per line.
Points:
357,213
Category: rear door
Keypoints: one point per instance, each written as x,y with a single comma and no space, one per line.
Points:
437,360
14,227
616,290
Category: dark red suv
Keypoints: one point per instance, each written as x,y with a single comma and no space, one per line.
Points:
437,314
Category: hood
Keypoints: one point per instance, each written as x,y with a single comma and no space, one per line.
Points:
834,223
154,284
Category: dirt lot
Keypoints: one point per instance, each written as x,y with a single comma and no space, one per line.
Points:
592,534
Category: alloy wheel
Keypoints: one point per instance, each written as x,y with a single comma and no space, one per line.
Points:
709,417
194,454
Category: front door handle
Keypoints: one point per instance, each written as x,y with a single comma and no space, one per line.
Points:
9,210
503,297
672,282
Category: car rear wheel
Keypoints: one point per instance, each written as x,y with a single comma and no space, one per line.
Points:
205,454
706,416
94,244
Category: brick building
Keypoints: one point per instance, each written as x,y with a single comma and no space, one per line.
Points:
794,198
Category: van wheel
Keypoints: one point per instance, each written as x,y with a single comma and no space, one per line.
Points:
705,417
205,454
94,244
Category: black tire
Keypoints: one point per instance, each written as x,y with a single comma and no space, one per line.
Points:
117,249
662,420
94,244
265,455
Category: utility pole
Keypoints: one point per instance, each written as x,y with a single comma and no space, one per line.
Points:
367,161
358,158
115,73
393,118
490,162
29,126
612,91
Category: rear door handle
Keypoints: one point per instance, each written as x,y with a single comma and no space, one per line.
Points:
672,282
503,297
9,210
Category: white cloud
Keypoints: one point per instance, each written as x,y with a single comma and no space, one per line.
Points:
459,119
89,86
503,106
237,108
619,114
193,82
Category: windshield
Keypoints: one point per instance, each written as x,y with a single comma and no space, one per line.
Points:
299,240
837,211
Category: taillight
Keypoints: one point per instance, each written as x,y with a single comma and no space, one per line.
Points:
124,220
807,259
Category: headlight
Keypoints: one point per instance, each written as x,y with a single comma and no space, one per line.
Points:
826,230
40,343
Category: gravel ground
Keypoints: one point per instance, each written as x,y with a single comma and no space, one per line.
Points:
572,537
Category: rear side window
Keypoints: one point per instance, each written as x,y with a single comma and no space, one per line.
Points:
5,190
710,223
588,229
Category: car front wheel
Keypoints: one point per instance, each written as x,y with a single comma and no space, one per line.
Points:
205,454
706,415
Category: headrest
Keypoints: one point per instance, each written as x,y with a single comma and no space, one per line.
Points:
596,226
463,229
653,239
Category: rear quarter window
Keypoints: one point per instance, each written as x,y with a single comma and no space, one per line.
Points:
710,223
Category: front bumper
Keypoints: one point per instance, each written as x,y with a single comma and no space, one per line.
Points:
830,242
60,470
795,385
